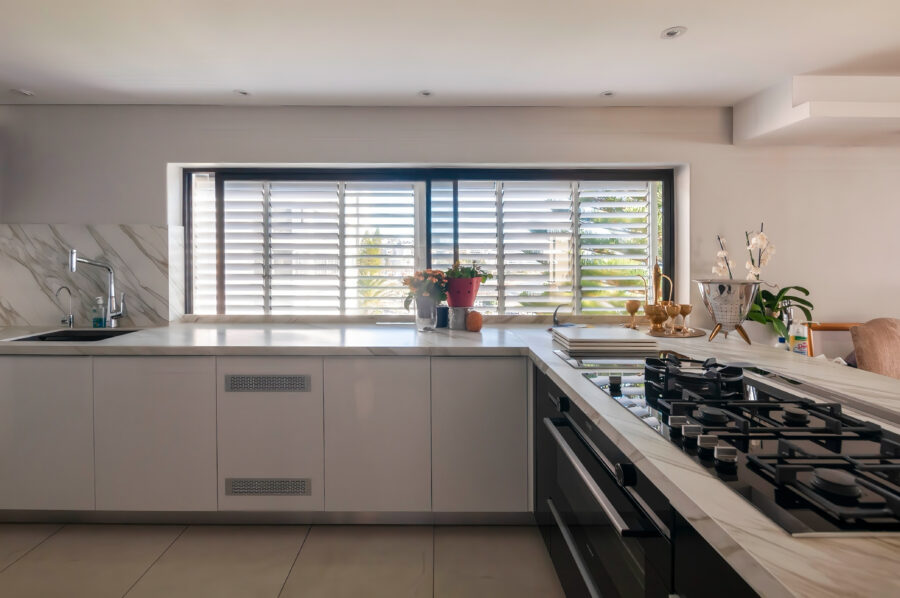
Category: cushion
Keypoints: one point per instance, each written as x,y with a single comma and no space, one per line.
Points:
877,346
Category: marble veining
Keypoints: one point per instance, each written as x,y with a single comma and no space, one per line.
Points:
772,561
33,260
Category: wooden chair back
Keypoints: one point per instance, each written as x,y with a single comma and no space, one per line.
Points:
824,327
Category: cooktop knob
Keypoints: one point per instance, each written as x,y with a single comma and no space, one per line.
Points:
676,421
626,474
726,454
691,430
707,441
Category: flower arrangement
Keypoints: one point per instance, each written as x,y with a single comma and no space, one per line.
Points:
771,309
425,283
473,271
758,246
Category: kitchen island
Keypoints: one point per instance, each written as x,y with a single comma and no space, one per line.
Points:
769,559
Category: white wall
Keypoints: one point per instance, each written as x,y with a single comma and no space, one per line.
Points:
832,212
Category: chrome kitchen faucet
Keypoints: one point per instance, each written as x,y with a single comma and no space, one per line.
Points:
115,312
69,320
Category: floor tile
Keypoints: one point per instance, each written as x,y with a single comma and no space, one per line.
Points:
372,561
224,561
87,561
492,562
16,539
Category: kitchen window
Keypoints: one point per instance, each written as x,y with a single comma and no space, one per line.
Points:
294,242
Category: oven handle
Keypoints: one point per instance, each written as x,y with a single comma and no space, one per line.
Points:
647,511
605,504
573,550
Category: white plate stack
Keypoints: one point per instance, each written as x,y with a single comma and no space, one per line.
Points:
604,340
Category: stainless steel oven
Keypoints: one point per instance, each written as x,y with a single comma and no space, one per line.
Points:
606,526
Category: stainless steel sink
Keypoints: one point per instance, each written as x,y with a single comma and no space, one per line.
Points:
76,336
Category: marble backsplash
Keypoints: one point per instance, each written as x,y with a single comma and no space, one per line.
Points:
33,265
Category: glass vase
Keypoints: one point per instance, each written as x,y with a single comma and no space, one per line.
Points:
426,314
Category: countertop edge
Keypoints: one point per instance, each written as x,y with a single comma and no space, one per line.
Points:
763,565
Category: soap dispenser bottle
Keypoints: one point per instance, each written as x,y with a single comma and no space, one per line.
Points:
98,313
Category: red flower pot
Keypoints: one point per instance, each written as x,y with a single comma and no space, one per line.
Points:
462,291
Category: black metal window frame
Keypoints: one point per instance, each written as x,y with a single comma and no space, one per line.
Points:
429,176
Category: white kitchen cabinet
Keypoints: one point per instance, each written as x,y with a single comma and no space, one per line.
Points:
270,433
155,433
377,434
479,434
46,433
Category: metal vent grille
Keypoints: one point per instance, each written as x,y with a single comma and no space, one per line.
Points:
268,487
267,383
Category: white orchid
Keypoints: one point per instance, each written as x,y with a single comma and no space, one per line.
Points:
724,265
752,272
760,250
757,241
766,254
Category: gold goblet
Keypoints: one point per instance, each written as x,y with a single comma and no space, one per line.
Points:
632,306
672,310
657,315
685,312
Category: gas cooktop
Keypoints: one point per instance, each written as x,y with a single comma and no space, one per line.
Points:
804,463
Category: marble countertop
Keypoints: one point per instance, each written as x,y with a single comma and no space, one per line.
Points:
278,339
772,561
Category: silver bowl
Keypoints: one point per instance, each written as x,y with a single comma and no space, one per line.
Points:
728,302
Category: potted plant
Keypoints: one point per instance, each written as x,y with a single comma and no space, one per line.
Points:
427,288
463,284
774,309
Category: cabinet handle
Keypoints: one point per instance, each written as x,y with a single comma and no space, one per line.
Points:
560,402
573,550
601,499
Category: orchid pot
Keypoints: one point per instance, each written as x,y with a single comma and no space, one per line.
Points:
728,302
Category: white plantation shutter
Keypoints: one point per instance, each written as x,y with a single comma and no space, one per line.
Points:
304,230
203,243
441,225
332,247
245,248
478,225
616,243
379,241
537,244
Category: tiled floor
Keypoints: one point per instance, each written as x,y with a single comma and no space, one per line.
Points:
141,561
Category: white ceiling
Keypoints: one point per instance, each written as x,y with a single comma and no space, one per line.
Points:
468,52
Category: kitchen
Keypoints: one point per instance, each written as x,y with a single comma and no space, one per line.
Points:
392,461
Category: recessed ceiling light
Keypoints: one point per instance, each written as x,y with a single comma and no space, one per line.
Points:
242,92
425,93
608,94
673,32
23,92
